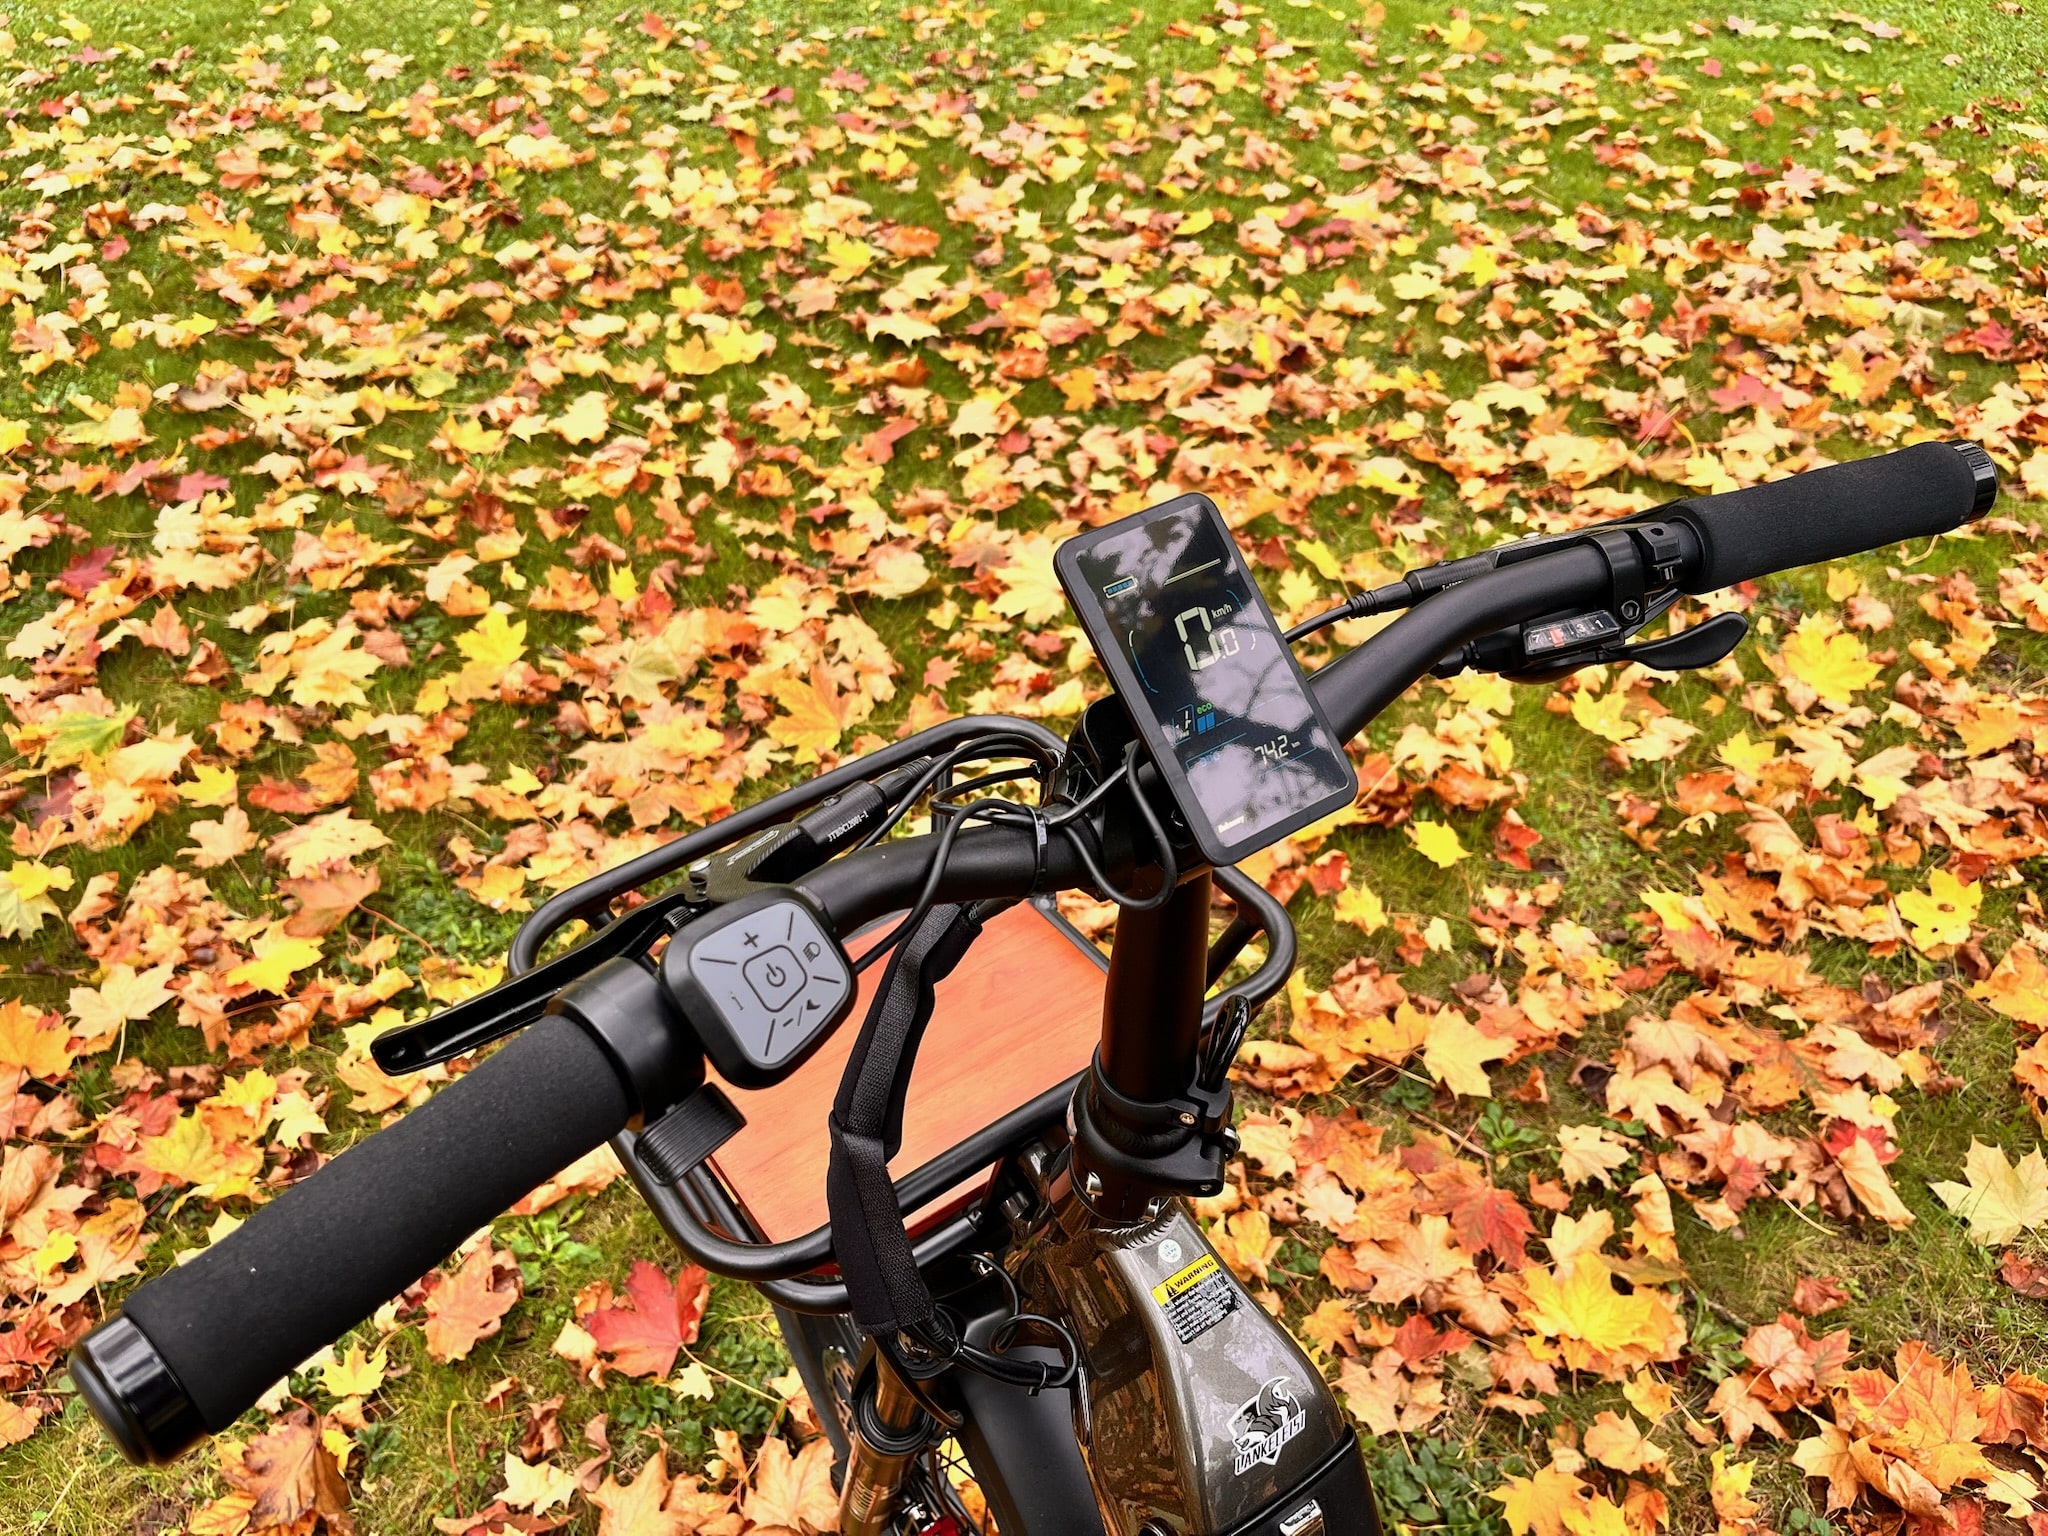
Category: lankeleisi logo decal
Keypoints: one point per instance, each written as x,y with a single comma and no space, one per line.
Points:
1263,1424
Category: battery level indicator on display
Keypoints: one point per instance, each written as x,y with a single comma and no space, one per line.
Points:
1119,588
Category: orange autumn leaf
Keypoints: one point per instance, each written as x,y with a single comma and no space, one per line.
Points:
792,1495
815,715
467,1306
289,1472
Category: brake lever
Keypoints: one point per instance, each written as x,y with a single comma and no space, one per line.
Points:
519,1000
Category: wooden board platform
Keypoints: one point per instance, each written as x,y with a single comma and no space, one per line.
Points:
1022,1013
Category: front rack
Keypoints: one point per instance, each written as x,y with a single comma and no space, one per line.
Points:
697,1212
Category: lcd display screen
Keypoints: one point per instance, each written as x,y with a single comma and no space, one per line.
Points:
1200,663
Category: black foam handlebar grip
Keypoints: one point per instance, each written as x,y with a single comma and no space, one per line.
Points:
195,1347
1844,509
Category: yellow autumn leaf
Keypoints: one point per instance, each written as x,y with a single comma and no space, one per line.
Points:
588,418
336,837
211,787
24,896
1031,591
1589,1153
1542,1503
355,1374
36,1042
125,996
1359,905
2017,986
1828,659
277,957
1318,554
1746,757
693,1381
331,670
535,1486
2000,1198
1590,1319
1601,713
814,714
1942,914
495,643
1456,1054
1438,842
467,435
189,1153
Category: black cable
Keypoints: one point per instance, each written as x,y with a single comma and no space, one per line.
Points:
1169,867
1360,605
979,747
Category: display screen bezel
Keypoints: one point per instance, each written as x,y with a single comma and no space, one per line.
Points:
1109,651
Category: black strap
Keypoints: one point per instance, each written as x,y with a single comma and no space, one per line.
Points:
882,1281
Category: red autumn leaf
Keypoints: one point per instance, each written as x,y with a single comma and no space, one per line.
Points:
1512,840
1486,1219
659,1319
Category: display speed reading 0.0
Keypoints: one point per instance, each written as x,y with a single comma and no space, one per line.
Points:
1202,668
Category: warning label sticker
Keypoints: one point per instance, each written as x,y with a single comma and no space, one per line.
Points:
1197,1297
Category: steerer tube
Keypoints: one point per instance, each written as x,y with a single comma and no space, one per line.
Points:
1152,1010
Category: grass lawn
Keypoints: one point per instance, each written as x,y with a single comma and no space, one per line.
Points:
497,437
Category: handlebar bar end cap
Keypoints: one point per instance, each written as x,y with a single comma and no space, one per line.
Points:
1984,472
134,1394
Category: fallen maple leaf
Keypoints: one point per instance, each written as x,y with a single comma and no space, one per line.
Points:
1833,663
277,956
289,1472
660,1318
537,1486
2024,1273
1816,1294
1549,1502
467,1306
1871,1185
38,1043
1596,1326
2000,1199
336,837
1437,842
2017,986
355,1374
792,1495
815,715
1942,914
635,1508
1457,1051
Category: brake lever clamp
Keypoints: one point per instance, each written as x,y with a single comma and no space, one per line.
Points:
1643,562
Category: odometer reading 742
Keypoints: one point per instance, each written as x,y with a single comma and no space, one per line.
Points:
1210,684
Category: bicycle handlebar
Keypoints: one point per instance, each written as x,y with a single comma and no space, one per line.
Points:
195,1347
1826,514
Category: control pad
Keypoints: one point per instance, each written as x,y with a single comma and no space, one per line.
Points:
762,981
